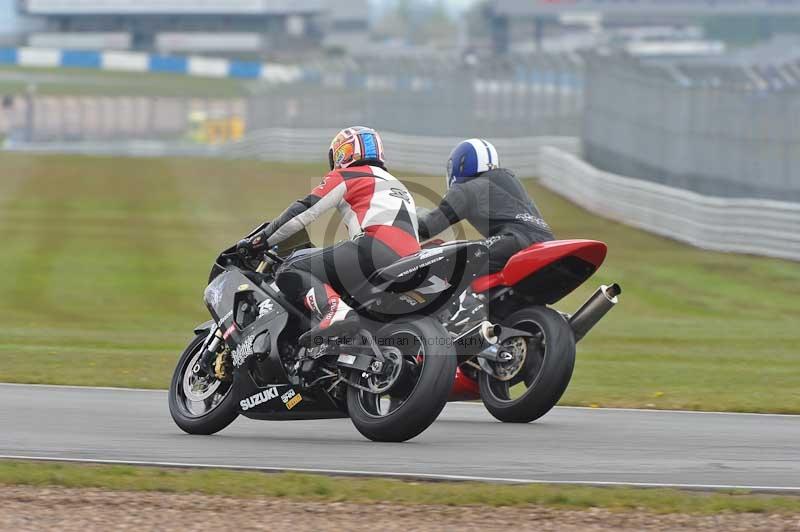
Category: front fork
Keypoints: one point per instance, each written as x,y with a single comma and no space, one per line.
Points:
211,345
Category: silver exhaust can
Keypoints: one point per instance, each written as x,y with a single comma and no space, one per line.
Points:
591,312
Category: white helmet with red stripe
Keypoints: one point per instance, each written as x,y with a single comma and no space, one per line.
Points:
355,145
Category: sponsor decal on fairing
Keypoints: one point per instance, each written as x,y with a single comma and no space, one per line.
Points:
432,252
265,307
290,399
260,398
243,351
213,295
418,267
407,299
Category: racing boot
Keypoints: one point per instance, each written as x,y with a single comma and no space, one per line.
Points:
336,318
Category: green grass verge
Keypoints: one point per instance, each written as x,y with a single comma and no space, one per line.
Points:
90,82
104,261
245,484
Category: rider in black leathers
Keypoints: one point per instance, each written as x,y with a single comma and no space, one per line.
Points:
493,200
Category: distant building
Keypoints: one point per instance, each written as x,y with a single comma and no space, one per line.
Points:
515,21
230,27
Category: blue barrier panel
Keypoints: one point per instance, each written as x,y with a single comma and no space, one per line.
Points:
167,63
72,58
154,63
244,69
8,56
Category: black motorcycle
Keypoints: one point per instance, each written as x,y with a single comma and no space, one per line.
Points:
392,377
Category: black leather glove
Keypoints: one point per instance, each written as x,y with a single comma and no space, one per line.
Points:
249,247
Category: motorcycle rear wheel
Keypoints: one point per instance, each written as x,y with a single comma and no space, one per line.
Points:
195,409
417,398
544,375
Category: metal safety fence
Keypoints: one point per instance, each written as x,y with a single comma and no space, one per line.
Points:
755,226
722,140
537,94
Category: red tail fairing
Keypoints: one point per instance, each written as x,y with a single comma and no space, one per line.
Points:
556,268
516,299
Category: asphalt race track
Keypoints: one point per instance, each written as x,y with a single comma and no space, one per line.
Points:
572,445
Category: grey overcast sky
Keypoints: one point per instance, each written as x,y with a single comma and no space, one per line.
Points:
7,18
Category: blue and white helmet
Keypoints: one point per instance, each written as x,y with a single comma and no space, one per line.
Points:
469,159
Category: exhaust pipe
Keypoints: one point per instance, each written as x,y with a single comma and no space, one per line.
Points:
594,309
477,339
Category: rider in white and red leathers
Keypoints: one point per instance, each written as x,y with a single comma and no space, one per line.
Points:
381,220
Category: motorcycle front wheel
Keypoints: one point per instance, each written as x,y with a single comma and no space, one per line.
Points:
420,367
199,404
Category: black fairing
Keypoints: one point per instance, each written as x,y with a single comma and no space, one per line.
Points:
555,281
255,350
424,282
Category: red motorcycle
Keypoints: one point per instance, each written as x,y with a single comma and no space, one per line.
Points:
520,361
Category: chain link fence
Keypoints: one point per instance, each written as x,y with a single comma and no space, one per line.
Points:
539,94
723,140
740,225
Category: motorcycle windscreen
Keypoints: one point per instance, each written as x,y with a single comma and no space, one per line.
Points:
220,294
299,240
229,257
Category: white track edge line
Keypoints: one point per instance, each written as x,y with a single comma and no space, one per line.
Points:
76,387
468,403
419,476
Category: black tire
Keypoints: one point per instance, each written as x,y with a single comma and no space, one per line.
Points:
423,400
546,373
219,416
